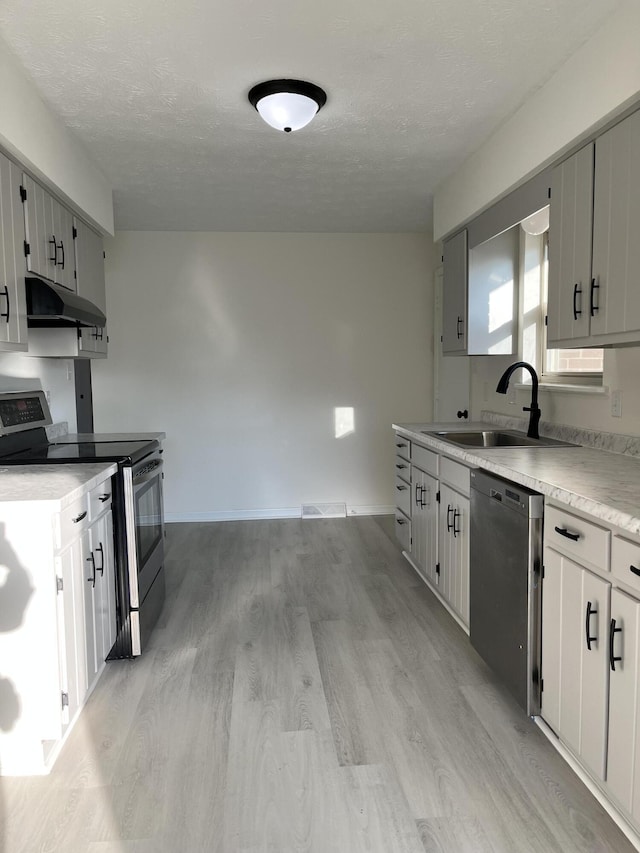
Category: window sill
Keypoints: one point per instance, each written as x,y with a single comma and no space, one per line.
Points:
565,389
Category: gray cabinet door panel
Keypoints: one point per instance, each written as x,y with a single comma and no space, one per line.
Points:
616,247
454,296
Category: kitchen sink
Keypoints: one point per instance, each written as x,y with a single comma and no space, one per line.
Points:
494,438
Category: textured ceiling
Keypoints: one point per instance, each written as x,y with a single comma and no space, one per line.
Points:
157,91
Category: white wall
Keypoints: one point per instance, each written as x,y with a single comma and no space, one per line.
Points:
586,410
55,375
598,80
240,346
31,132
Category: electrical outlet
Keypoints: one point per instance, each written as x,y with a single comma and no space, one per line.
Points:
616,404
47,397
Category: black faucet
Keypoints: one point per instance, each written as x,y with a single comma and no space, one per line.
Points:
533,409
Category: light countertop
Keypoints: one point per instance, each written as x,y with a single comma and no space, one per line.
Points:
605,485
59,485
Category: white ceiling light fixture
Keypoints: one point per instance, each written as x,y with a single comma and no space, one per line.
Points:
287,104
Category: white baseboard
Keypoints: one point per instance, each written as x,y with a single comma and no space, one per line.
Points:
256,514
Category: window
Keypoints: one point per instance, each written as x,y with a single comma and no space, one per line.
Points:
560,366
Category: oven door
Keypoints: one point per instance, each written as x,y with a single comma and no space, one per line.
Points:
145,526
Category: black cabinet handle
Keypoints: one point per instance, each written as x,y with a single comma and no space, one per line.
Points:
456,516
54,245
418,499
104,497
401,466
635,570
463,413
449,524
92,579
592,307
5,293
61,247
80,517
401,444
564,532
100,568
591,611
402,488
576,290
459,324
612,633
400,521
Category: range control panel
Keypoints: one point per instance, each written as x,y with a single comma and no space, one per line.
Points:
21,410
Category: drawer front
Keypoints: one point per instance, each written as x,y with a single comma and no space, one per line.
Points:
625,561
100,499
71,522
582,540
403,447
456,475
403,496
403,531
403,469
425,460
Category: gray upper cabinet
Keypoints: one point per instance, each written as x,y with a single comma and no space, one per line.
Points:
570,230
454,295
594,251
13,315
49,235
90,284
616,226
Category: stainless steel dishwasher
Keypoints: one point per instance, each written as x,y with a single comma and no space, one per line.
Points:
504,582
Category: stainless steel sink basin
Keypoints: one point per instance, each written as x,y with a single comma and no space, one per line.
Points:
494,438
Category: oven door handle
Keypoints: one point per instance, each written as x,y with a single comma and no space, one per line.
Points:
148,474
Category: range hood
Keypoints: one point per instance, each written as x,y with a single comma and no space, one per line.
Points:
49,304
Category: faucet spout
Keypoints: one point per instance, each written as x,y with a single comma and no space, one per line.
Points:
533,409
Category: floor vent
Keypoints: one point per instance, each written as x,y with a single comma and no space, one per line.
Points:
334,510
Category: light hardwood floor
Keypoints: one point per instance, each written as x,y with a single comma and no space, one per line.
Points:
303,692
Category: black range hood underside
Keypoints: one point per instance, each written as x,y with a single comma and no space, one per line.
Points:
51,305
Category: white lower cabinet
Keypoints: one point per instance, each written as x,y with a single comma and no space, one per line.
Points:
440,525
623,774
575,618
591,650
64,621
454,550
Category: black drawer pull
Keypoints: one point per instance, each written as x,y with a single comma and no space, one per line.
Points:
564,532
401,444
92,579
592,307
5,292
456,516
612,633
450,525
105,497
591,611
463,413
101,567
80,517
402,488
635,570
459,332
401,466
61,247
54,245
400,521
576,312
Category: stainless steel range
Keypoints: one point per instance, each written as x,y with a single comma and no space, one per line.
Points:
137,504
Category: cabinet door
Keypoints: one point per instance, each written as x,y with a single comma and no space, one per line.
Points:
575,618
65,254
616,224
454,295
39,227
13,312
104,607
454,550
570,231
623,771
424,514
69,571
91,283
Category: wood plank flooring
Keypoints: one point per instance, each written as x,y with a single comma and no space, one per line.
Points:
303,691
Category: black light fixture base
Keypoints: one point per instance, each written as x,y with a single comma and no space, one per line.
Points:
296,87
